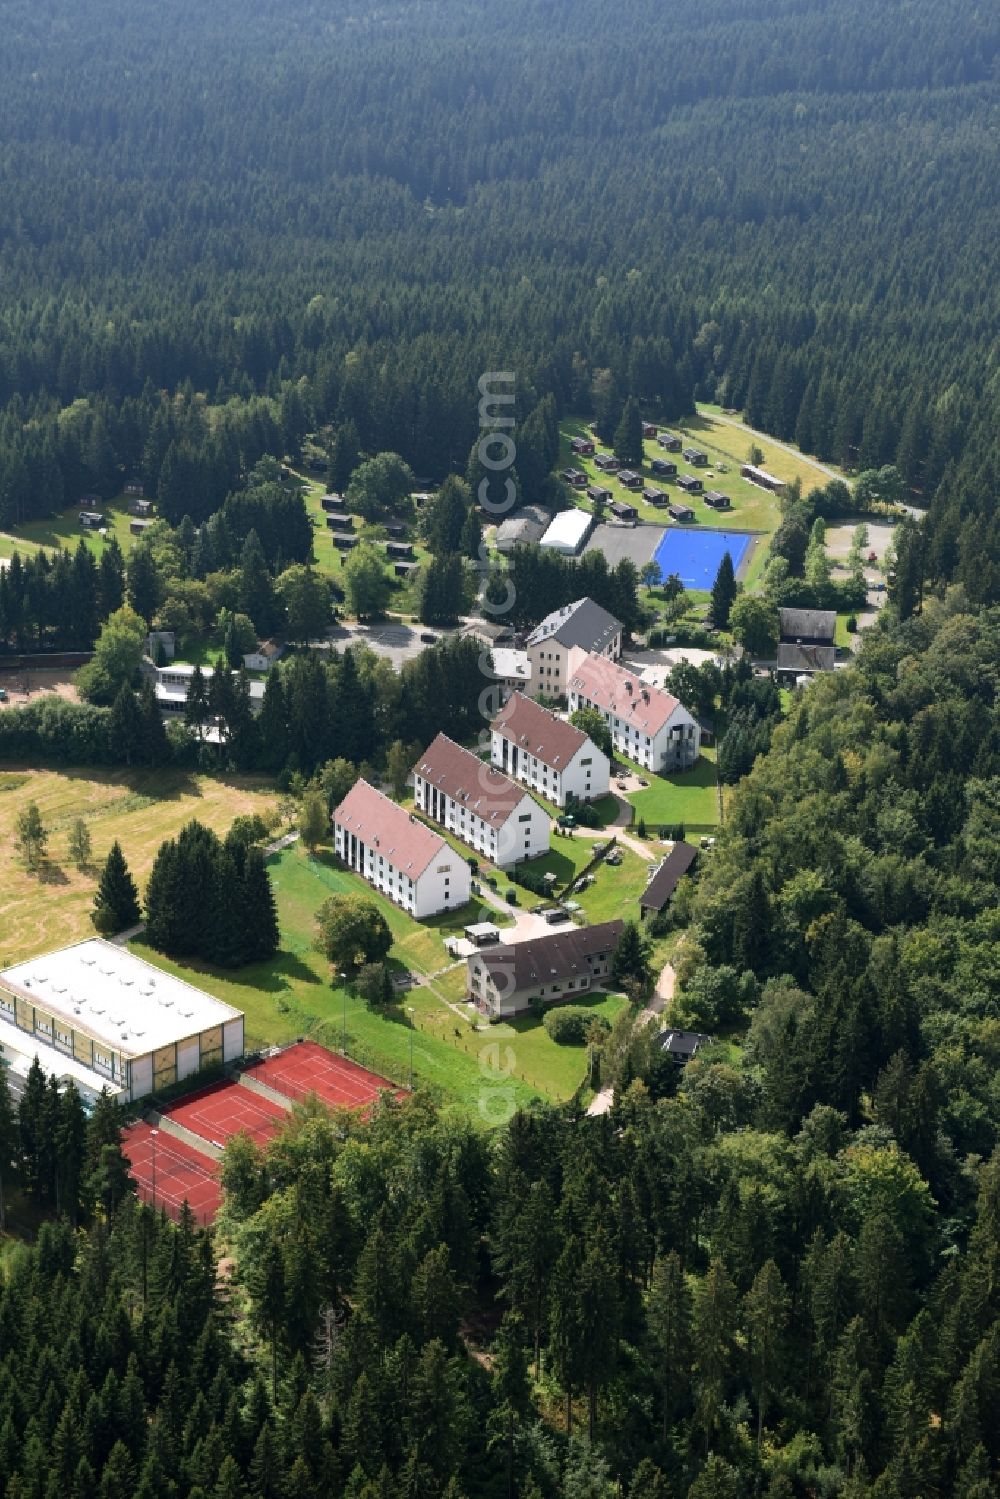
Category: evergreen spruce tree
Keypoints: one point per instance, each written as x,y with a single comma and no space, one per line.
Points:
471,538
261,914
31,1126
116,904
143,583
196,703
723,592
8,1146
127,728
155,747
628,435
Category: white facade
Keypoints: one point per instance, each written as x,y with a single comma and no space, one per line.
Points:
173,684
587,775
647,725
505,834
97,1014
546,754
568,531
399,855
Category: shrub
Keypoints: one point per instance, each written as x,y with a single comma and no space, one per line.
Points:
529,879
570,1026
586,815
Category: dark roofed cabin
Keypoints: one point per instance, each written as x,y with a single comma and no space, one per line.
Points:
669,441
663,468
680,512
629,479
340,522
717,500
681,1046
399,551
689,483
654,496
598,494
697,457
332,502
621,511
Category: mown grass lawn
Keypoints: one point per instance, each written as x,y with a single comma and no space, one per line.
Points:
842,636
616,889
735,442
522,1047
688,796
295,994
64,530
753,509
138,808
566,859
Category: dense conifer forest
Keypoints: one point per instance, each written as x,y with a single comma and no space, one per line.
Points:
774,1271
785,207
771,1272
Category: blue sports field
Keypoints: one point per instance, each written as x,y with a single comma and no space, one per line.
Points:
695,555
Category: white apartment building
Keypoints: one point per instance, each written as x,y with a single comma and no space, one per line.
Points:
479,804
582,626
398,854
647,724
546,753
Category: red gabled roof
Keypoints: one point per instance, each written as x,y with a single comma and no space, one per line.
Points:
400,837
469,781
618,691
539,732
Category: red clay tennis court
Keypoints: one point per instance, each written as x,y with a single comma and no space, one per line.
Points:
225,1109
306,1067
182,1173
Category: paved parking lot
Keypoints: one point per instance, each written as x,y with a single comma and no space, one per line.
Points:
395,641
637,543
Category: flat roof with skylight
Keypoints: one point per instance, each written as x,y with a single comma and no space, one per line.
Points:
101,1016
116,997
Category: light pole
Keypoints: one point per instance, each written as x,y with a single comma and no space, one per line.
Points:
343,1040
154,1134
410,1011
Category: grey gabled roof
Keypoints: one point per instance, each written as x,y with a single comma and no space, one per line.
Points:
582,623
682,1043
807,624
806,658
541,960
665,881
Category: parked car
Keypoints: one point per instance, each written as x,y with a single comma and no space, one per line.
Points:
428,637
